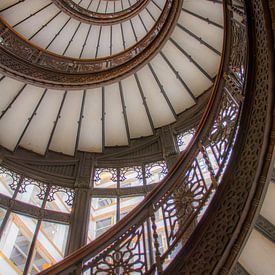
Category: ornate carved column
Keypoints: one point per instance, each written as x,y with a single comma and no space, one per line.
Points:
81,208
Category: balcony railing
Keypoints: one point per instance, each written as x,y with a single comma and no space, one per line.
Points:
179,201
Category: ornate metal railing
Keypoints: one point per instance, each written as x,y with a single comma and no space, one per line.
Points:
25,61
178,202
218,239
90,16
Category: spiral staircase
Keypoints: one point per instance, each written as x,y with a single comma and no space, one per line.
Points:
91,84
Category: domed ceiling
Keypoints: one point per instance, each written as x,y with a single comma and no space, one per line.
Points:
62,104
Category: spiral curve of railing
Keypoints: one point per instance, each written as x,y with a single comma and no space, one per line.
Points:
182,197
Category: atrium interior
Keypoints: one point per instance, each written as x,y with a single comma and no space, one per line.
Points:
136,137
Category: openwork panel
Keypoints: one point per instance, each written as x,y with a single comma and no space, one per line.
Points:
155,172
8,181
183,139
32,192
60,199
171,214
222,131
245,180
36,238
127,255
185,200
131,176
239,48
105,178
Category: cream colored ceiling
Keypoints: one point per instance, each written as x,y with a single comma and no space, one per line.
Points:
149,99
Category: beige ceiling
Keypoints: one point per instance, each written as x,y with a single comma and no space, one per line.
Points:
151,98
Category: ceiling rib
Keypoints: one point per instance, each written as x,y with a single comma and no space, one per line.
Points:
199,39
124,112
209,21
13,100
191,59
80,121
163,91
58,116
30,120
179,77
145,103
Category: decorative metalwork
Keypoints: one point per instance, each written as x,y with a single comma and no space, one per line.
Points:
150,166
30,182
15,177
58,189
122,257
43,67
180,199
44,192
124,170
223,130
99,171
184,138
29,198
230,222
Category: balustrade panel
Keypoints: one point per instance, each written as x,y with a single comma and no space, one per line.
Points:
170,216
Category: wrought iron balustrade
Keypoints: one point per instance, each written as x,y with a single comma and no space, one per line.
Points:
178,202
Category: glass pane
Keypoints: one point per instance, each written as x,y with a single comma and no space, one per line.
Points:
8,182
2,214
102,225
60,199
131,176
129,203
105,178
155,172
50,245
184,139
15,243
32,192
102,216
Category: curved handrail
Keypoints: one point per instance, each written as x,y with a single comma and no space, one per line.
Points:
180,196
218,240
